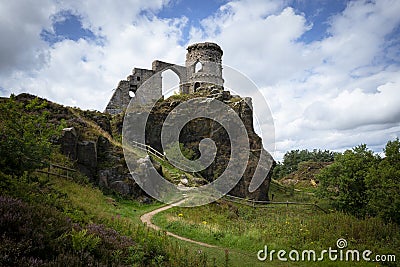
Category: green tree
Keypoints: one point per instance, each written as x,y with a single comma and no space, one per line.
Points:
383,185
24,135
344,181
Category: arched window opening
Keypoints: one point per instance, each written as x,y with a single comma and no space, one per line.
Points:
196,85
198,66
170,83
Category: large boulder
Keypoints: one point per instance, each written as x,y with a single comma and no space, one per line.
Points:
87,158
68,142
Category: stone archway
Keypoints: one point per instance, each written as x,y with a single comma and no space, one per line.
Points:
160,66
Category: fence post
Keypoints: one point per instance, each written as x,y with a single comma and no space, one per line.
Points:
48,171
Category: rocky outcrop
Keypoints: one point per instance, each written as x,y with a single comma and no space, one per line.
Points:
83,153
112,172
87,158
69,142
200,128
104,163
100,161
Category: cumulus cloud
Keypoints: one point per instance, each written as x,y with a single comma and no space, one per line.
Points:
259,38
381,107
21,47
334,92
84,72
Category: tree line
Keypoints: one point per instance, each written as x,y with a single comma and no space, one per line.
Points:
292,158
359,181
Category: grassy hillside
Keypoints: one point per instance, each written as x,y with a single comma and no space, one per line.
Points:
62,219
247,229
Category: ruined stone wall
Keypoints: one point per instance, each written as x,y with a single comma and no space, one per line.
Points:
207,55
121,97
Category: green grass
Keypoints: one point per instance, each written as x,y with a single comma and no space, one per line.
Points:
94,203
125,217
248,229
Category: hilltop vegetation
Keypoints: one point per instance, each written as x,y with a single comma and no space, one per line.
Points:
292,160
25,135
65,219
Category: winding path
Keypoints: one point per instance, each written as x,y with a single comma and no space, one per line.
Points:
146,218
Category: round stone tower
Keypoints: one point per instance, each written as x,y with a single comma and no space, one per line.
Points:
203,65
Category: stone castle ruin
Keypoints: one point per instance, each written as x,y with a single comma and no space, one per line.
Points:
202,67
202,74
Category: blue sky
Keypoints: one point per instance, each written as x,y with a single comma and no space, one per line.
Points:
329,69
67,25
195,10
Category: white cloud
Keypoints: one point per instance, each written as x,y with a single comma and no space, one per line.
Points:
109,17
333,93
350,110
259,38
21,47
84,72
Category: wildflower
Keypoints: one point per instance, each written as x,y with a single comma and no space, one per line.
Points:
180,215
204,222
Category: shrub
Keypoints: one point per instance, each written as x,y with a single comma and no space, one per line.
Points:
25,135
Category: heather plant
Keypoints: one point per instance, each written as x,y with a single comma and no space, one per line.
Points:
113,245
29,231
